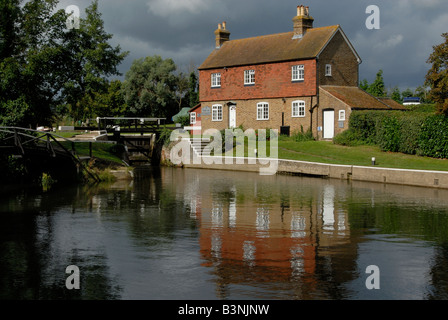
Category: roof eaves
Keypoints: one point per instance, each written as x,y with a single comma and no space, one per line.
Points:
356,107
195,107
255,63
358,58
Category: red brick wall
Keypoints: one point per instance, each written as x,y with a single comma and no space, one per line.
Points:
271,81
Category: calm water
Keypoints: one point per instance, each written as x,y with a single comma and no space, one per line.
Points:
199,234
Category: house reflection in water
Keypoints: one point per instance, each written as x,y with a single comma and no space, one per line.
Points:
268,234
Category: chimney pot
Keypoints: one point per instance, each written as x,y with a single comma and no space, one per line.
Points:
222,35
302,22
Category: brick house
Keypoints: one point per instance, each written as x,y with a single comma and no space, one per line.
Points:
303,79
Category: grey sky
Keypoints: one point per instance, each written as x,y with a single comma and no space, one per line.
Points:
183,29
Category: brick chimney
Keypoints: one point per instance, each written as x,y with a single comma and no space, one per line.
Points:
222,35
302,22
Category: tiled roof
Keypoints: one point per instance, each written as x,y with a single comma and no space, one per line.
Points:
195,107
359,99
393,104
270,48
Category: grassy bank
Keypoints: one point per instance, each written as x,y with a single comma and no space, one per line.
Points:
104,151
313,151
327,152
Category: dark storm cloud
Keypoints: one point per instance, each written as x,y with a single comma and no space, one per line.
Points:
183,29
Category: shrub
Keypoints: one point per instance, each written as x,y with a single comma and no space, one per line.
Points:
421,133
411,124
183,120
300,136
347,138
388,134
164,137
364,125
433,137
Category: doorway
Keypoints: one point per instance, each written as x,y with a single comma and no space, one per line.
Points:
328,124
232,117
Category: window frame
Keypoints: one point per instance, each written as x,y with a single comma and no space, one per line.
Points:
217,112
249,77
301,109
193,116
298,73
343,113
264,108
216,80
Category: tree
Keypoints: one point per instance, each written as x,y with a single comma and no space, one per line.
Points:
377,87
364,85
422,93
9,15
396,95
407,93
108,103
149,87
193,88
437,76
181,92
92,61
31,68
43,65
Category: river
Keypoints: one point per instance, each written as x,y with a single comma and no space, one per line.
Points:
175,234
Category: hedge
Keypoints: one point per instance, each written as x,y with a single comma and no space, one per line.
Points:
419,133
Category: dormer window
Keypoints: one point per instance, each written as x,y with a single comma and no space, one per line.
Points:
249,77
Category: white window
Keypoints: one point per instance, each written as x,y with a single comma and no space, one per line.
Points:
192,117
217,112
341,115
298,73
249,77
263,111
216,80
328,70
298,109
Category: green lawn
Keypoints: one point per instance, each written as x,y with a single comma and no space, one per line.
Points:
106,151
327,152
68,134
313,151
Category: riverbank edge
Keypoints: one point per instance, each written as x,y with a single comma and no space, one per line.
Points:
407,177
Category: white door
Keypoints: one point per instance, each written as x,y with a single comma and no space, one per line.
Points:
329,124
232,117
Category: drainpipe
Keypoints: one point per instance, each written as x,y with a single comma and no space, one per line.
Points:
317,95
